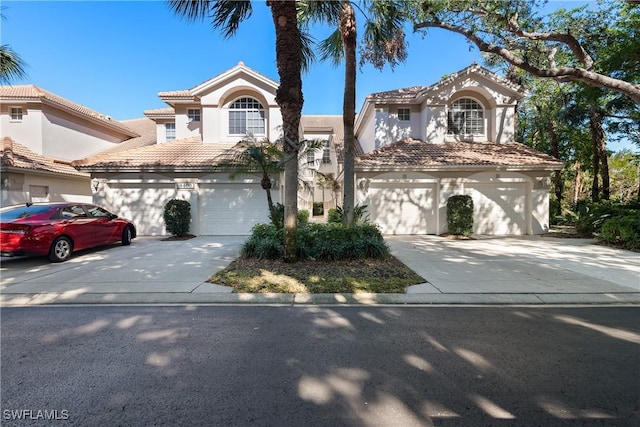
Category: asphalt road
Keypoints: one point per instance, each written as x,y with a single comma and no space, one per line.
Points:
325,366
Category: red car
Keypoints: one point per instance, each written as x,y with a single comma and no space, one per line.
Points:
58,229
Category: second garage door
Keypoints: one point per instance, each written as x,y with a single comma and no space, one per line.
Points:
498,208
232,208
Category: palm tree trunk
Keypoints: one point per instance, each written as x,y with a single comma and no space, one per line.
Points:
290,100
349,40
577,184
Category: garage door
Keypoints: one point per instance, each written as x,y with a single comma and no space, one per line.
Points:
499,208
403,208
143,204
232,209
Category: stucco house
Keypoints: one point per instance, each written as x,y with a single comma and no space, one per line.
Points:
424,144
42,133
415,148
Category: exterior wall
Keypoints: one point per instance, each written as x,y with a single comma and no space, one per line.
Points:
381,129
400,129
184,127
435,124
367,133
66,137
27,132
25,187
54,133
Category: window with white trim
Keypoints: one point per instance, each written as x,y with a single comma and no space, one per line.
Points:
246,116
193,114
16,114
465,117
170,131
326,153
404,114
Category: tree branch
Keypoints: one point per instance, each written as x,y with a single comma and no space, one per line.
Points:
574,74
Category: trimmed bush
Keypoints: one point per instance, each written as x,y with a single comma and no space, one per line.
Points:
177,216
460,215
318,242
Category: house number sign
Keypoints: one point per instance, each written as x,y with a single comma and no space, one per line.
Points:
185,185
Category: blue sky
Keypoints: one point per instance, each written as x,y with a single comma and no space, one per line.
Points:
115,56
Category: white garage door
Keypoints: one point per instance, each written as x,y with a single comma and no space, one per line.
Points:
403,208
498,208
143,204
232,209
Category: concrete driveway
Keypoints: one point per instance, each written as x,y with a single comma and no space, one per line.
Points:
546,268
149,265
527,270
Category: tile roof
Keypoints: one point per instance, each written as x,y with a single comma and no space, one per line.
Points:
18,156
411,93
188,153
34,93
416,153
168,112
144,127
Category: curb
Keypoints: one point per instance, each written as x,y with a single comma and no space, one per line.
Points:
24,300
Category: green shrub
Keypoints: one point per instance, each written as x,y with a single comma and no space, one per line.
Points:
318,241
360,215
278,221
623,231
592,216
460,215
318,208
177,216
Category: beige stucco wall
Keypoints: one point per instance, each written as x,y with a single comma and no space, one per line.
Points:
54,133
59,188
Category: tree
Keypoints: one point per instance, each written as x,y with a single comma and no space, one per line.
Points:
383,43
227,15
12,66
513,31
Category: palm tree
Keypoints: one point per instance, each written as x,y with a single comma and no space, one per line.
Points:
383,43
227,16
253,156
12,66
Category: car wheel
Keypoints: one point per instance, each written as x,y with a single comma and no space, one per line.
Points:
60,250
126,236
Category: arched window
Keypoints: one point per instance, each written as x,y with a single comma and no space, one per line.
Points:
466,117
246,116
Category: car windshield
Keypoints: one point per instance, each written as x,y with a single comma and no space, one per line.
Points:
19,212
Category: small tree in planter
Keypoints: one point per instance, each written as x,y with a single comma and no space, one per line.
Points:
460,215
177,216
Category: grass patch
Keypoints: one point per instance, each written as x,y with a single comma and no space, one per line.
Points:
382,275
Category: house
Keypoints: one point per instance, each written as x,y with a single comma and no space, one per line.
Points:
424,144
416,147
41,134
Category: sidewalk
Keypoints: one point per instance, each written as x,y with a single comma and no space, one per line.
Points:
517,270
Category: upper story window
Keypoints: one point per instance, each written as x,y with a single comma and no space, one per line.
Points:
326,153
16,113
170,131
246,116
404,114
193,114
465,117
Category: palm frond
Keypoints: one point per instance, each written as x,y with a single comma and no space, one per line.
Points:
11,65
228,14
332,48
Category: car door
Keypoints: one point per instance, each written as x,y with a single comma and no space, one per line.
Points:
107,230
79,226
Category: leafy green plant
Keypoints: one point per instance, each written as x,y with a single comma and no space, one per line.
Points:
623,231
177,217
360,215
460,215
319,242
318,208
592,216
278,219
